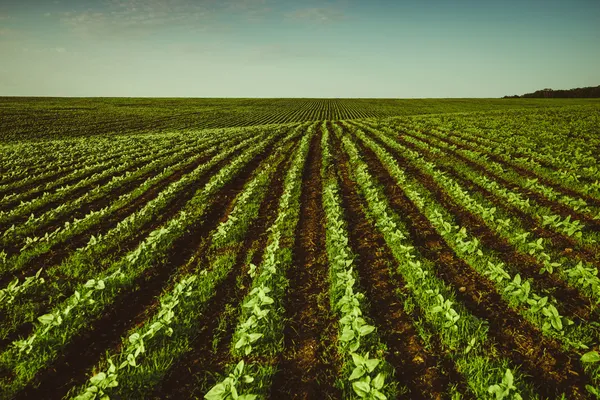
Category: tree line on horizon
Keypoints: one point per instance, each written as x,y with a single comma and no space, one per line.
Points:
586,92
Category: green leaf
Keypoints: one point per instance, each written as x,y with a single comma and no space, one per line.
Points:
358,360
361,388
216,393
366,329
378,382
378,395
372,364
254,337
356,373
590,357
134,338
96,379
46,319
242,342
347,334
239,368
508,378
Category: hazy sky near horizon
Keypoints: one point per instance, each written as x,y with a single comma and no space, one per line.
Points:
283,48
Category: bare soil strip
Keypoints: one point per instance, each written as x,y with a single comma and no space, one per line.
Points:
498,144
553,370
80,191
556,207
189,375
308,367
106,200
133,307
115,194
571,301
415,366
44,301
560,241
532,174
55,256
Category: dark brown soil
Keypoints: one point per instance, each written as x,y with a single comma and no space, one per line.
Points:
557,208
185,378
58,254
115,193
532,174
499,145
553,370
571,302
78,192
309,365
415,366
13,248
558,240
131,307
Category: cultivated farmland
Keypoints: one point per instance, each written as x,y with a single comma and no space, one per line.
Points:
309,248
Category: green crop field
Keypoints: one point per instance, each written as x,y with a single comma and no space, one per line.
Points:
299,248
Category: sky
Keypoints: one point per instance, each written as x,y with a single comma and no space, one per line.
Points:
285,48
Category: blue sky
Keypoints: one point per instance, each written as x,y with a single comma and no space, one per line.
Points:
281,48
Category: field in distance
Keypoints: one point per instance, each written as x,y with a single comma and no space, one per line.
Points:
299,248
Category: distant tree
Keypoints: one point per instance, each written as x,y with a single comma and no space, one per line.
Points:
586,92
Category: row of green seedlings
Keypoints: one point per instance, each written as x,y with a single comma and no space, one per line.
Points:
55,176
259,332
181,159
565,226
26,357
482,159
85,176
539,310
581,275
34,155
365,375
569,178
26,232
529,137
462,335
559,163
80,180
564,132
37,161
84,260
88,176
149,350
14,289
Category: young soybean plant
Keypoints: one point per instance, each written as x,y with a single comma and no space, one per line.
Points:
150,349
464,335
363,377
260,328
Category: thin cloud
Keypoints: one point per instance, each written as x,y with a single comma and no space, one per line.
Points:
6,32
318,14
142,17
135,17
44,50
